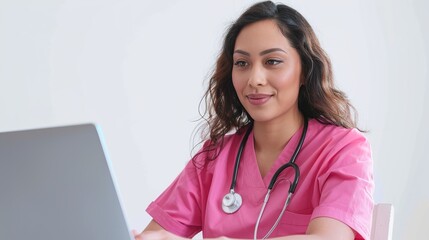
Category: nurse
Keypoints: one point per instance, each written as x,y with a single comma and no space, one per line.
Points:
271,77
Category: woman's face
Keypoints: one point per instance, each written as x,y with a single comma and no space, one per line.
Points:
266,73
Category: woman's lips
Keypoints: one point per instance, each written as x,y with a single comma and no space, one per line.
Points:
258,99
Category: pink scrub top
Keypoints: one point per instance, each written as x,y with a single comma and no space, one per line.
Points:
336,181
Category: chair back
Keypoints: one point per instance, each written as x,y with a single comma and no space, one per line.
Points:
382,222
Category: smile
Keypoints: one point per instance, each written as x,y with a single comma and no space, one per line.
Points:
258,99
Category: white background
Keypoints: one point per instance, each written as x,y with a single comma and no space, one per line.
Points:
139,70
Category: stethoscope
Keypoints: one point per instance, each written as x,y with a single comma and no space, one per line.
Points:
232,201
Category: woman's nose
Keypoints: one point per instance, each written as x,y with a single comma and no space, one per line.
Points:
257,76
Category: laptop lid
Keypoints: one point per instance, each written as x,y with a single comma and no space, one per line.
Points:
56,183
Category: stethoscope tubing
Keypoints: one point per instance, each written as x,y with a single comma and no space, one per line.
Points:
232,201
238,158
291,162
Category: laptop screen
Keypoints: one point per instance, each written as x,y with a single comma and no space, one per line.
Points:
56,183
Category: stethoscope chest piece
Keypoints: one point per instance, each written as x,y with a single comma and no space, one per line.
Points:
231,202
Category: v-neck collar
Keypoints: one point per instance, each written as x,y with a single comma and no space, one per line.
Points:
283,158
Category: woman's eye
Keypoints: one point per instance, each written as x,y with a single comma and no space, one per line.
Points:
240,63
273,62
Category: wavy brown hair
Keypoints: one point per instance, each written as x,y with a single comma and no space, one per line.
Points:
318,98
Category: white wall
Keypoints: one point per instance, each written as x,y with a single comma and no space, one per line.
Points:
137,68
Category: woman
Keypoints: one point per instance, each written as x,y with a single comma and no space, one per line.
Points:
273,85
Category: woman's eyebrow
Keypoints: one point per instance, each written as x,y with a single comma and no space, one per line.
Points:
271,50
261,53
242,52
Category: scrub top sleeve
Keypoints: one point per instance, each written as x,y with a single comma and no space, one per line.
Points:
177,209
346,185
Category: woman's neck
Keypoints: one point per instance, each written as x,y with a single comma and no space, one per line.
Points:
273,136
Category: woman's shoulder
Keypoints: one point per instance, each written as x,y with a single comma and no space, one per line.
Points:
334,130
335,135
339,146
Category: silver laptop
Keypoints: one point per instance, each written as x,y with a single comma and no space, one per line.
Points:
56,183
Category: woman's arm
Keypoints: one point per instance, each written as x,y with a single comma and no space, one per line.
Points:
322,228
154,231
325,228
153,226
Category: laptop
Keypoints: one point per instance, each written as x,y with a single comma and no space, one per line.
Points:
57,183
